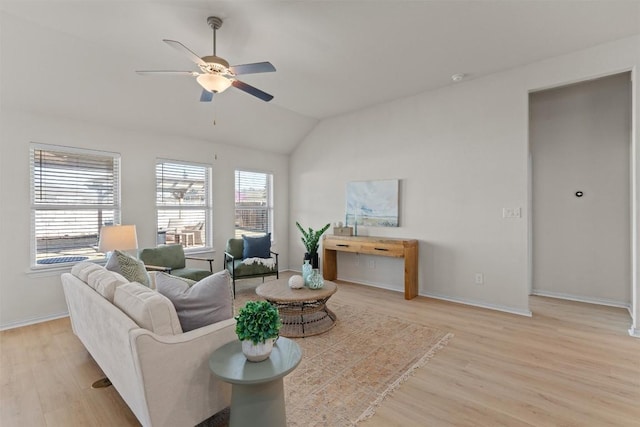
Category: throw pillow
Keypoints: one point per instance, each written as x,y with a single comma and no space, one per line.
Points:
131,268
167,277
206,302
257,247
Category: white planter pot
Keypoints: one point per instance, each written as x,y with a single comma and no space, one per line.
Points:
257,352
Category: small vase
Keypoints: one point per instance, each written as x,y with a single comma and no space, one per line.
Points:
313,259
257,352
306,271
315,279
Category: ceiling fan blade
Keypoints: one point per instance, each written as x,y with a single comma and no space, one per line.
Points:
206,96
179,73
252,90
185,50
258,67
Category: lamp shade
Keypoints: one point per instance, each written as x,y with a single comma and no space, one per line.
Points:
121,237
213,82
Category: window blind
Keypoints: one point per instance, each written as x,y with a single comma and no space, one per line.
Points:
253,205
183,202
73,193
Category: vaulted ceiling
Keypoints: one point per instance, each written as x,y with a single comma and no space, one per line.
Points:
77,59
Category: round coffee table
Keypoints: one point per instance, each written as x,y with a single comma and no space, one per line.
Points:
303,311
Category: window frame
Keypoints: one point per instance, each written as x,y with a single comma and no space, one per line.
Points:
35,206
207,207
269,201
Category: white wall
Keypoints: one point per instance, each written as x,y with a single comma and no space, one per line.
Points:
461,153
580,141
26,296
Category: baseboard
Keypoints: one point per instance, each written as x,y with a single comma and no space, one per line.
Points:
33,321
480,304
634,332
372,284
495,307
588,300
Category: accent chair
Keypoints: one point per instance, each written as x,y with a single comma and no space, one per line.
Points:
250,257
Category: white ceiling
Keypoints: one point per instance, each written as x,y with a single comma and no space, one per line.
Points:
77,59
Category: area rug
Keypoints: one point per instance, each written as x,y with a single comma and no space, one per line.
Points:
348,371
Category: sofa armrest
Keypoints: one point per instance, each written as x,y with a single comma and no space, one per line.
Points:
178,385
210,260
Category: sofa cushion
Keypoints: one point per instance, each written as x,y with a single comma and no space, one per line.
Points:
148,308
206,302
131,268
256,247
82,269
105,282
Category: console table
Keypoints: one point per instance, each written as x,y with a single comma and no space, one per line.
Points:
369,245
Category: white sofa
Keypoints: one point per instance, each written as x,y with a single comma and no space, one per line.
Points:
160,372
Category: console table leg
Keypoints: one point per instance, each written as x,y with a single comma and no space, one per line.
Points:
411,272
330,265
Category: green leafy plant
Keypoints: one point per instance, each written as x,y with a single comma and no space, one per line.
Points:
311,238
257,321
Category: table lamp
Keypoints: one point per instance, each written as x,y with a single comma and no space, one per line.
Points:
121,237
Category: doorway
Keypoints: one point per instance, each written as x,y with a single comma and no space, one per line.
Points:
580,163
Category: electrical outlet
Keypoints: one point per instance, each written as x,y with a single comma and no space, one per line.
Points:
479,279
511,212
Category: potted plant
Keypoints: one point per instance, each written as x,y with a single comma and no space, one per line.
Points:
257,326
310,241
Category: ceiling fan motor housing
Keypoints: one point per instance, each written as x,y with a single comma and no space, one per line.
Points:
216,60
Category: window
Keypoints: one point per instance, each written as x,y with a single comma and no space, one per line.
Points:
74,192
183,201
254,203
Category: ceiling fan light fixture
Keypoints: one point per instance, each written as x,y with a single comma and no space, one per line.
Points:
213,82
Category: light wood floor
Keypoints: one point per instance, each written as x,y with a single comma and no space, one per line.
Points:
572,364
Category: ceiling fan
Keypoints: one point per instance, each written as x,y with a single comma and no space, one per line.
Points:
216,74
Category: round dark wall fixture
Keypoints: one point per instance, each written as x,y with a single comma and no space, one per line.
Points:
579,193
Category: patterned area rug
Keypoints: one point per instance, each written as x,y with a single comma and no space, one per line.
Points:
347,372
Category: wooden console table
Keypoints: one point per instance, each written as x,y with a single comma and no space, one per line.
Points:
382,246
